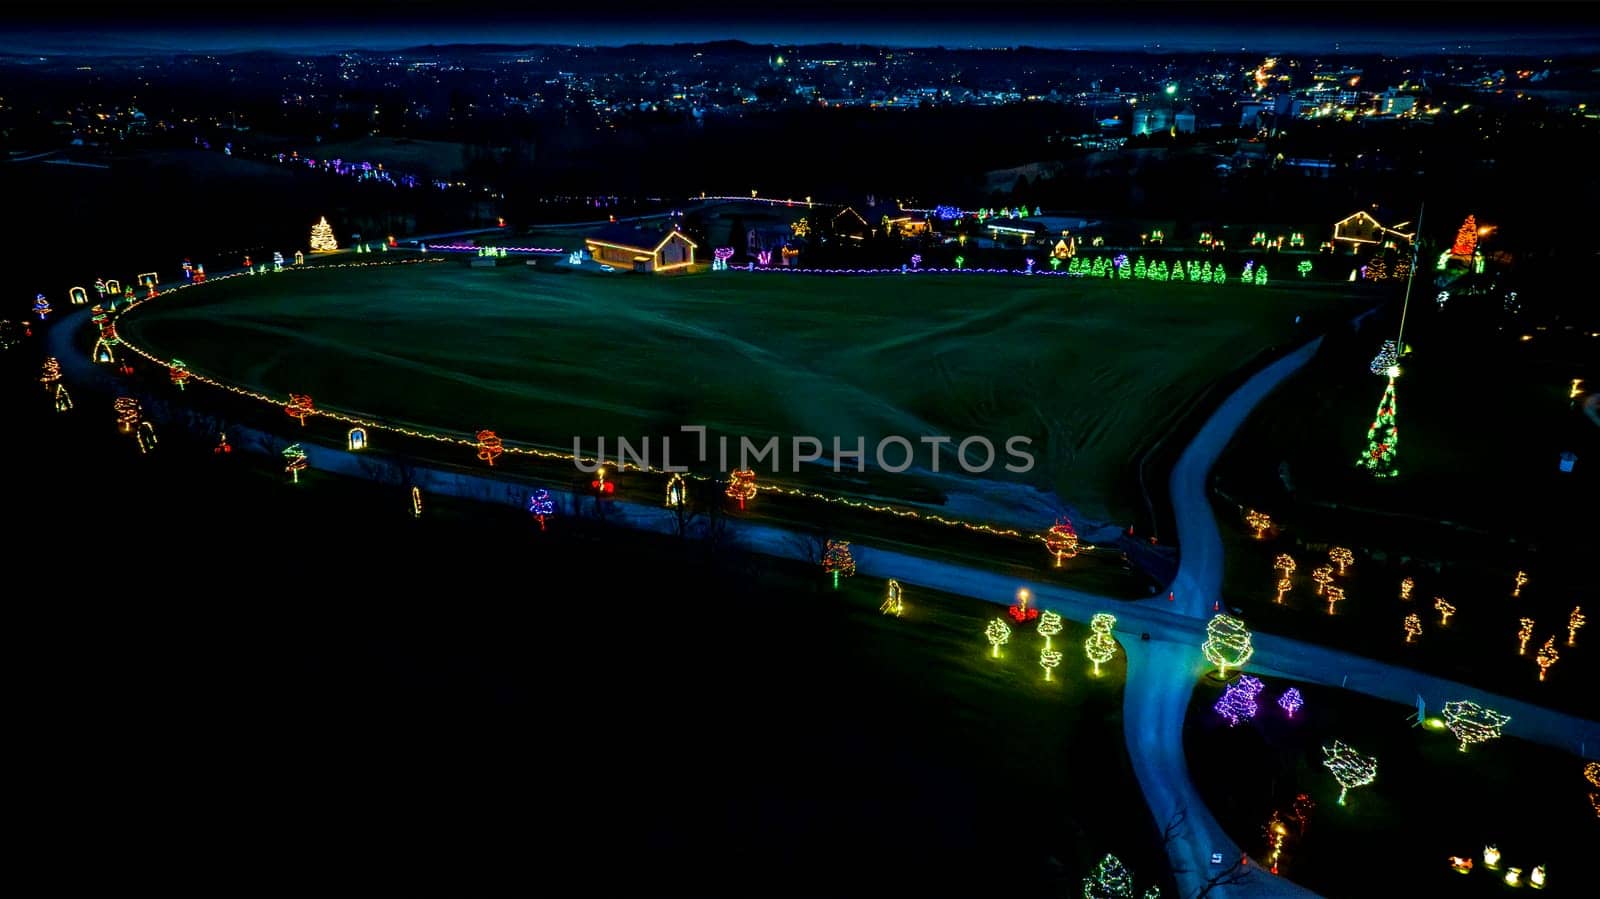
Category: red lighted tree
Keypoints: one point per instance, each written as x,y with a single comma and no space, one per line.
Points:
1466,238
1061,540
489,447
299,406
741,486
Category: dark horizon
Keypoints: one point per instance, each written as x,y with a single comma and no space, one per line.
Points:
1155,27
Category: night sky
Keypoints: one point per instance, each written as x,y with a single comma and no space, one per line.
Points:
1354,27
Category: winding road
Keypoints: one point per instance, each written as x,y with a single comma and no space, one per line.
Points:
1161,672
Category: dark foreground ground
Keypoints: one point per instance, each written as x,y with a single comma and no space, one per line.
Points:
218,683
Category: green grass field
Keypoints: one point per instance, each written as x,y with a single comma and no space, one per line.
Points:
1093,372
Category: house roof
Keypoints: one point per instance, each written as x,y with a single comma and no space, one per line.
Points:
635,238
1015,224
841,213
890,211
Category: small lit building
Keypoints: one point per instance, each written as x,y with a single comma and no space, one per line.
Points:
630,247
1363,230
849,223
896,221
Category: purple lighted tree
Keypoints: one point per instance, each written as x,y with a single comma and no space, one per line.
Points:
1238,702
916,259
1290,701
764,257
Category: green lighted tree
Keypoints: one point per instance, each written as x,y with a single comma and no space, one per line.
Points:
1383,435
1350,768
1110,880
1049,626
1472,723
1227,643
997,632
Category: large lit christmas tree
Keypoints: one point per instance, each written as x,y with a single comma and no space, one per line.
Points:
322,239
1383,435
1466,238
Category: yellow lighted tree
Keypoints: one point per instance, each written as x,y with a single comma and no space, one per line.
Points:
1283,587
1049,626
1101,646
322,240
895,603
997,632
1524,634
1284,564
1334,594
1227,643
1518,582
1547,657
1048,660
1406,586
1323,575
1341,557
1444,609
1260,522
1574,621
1413,627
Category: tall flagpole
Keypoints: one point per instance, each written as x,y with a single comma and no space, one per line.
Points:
1416,250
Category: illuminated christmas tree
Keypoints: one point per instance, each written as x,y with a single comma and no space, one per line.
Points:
837,561
1323,576
489,447
894,603
1444,609
1227,644
1341,557
294,461
63,399
1110,880
1049,625
1259,521
299,406
1574,621
1466,238
1383,435
1524,634
1261,276
1304,268
541,506
1349,767
1413,627
1472,723
322,239
997,632
1388,357
1290,701
741,486
1547,657
1061,540
1238,702
50,373
1285,564
1048,660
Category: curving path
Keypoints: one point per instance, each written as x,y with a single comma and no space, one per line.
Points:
1162,671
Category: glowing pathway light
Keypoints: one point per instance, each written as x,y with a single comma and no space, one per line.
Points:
1350,768
997,632
1444,609
1050,624
893,604
1517,583
1413,627
294,461
1291,701
1048,660
741,486
1524,634
1061,540
1472,723
1342,557
1574,621
837,561
1238,702
1547,657
489,447
1227,644
1260,522
541,506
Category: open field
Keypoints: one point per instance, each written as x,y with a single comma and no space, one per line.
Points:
1091,372
1429,802
489,704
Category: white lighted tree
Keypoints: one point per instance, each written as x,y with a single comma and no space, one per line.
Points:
322,239
1049,625
1048,660
1349,767
1472,723
997,632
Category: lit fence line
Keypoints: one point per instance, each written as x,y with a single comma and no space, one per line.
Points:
906,271
472,248
532,451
